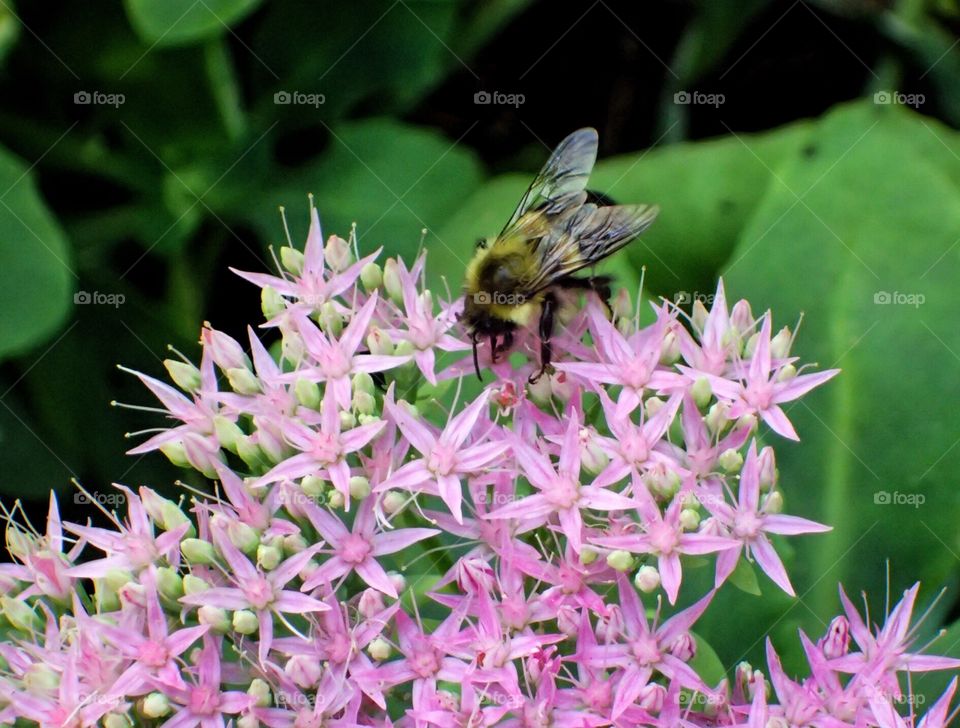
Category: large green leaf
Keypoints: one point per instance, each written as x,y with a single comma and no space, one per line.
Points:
857,227
36,277
175,22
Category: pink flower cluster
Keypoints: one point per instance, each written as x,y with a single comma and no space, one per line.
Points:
389,543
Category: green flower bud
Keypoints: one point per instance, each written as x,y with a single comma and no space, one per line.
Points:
228,433
245,622
308,393
773,503
359,487
379,342
294,543
269,557
620,560
215,617
689,519
41,678
379,649
291,347
116,720
652,406
404,348
184,375
751,346
169,583
698,315
175,453
367,419
107,599
348,420
393,501
335,499
171,518
194,584
271,302
702,392
731,460
337,253
313,486
243,380
716,418
371,276
647,579
198,551
780,344
20,614
244,537
291,259
155,705
363,403
259,690
331,322
588,555
787,372
20,543
621,305
116,579
391,281
670,349
250,452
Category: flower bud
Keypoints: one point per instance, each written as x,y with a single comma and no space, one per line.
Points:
651,406
155,705
379,649
20,614
560,386
198,551
116,720
271,302
371,276
243,536
243,381
184,375
741,317
568,620
293,543
392,282
621,306
304,671
702,392
335,499
291,259
228,433
405,348
767,466
248,720
780,344
379,342
651,698
662,482
337,253
689,519
620,560
175,453
540,391
169,583
259,690
836,642
393,501
359,487
116,579
291,346
773,503
217,618
746,422
348,420
592,456
647,579
398,580
786,373
364,404
588,555
245,621
731,460
716,418
751,346
201,453
40,678
194,584
225,351
330,320
684,647
313,486
699,314
307,393
250,452
269,439
370,603
670,349
268,557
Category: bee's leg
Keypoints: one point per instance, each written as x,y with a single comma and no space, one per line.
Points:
505,342
476,359
493,348
546,333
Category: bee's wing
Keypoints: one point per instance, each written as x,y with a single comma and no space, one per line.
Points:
587,237
560,184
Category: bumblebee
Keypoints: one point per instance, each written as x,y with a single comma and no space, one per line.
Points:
557,230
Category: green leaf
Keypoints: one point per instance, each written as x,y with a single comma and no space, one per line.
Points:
869,253
36,277
744,577
706,662
178,22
